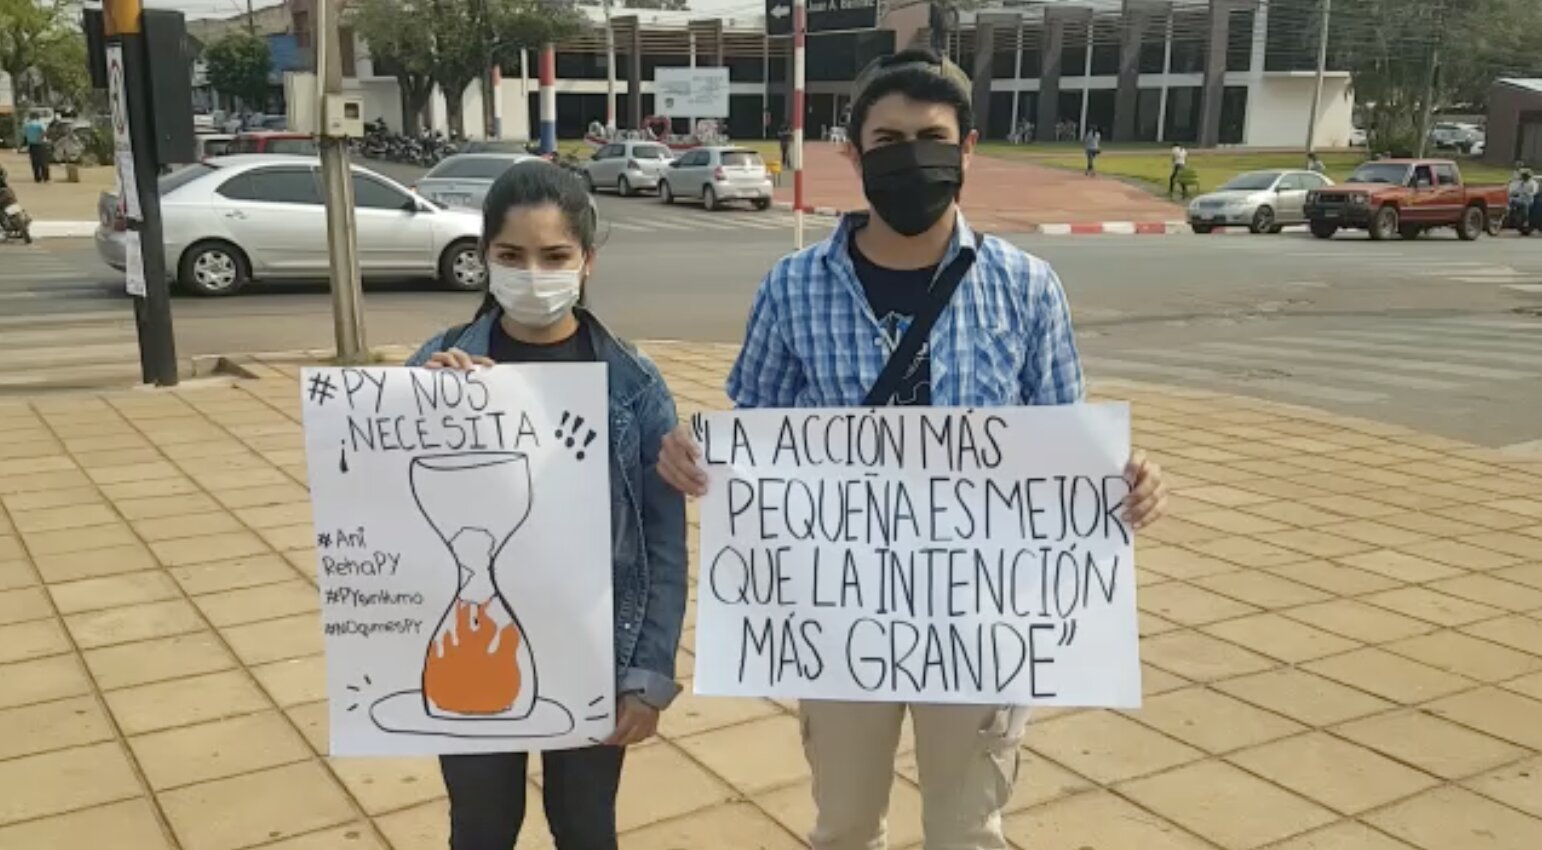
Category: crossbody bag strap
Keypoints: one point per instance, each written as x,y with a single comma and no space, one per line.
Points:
920,331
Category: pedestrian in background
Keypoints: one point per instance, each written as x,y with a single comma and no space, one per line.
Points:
539,243
784,138
961,320
1093,143
35,136
1315,164
1180,162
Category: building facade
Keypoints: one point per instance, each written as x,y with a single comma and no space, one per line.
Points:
1202,72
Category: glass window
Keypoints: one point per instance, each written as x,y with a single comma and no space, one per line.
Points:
470,168
1445,175
274,186
1313,181
183,176
371,194
296,147
1293,183
1239,40
1380,172
1253,181
650,152
742,159
1422,176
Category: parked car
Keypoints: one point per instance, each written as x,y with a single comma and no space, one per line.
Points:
462,181
1405,197
627,167
1261,201
234,219
715,175
209,145
1358,138
261,141
1455,136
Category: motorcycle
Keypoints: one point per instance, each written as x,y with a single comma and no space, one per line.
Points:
1524,215
15,223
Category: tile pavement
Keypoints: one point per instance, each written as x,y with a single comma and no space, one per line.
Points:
1342,629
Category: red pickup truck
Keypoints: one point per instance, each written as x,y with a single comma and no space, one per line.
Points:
1405,197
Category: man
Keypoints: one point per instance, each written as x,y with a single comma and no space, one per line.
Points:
1093,143
35,136
1180,162
1315,164
823,326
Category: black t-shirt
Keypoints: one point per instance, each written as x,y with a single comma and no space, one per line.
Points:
896,296
578,348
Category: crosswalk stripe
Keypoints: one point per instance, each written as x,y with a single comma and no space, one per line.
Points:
1502,324
1466,335
1512,358
1313,391
1356,360
1358,376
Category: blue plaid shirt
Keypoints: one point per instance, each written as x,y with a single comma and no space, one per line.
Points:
813,341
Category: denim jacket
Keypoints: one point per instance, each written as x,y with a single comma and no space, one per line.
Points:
647,516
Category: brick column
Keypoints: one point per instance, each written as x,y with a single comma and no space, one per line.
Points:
629,33
1056,18
980,74
1137,17
1215,68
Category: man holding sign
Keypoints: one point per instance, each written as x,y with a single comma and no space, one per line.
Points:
909,307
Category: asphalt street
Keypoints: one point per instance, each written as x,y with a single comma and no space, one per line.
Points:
1437,334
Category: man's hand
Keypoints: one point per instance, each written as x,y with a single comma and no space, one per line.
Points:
1148,491
636,721
458,360
680,462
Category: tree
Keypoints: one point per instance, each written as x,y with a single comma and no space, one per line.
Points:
239,65
400,38
25,29
62,65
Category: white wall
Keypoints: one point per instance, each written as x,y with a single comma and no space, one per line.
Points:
1279,106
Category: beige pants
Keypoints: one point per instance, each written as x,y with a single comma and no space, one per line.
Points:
967,756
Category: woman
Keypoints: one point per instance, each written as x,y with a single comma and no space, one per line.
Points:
539,246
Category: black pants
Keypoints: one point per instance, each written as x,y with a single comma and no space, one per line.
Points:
487,798
40,155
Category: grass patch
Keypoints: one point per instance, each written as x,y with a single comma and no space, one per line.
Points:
1150,167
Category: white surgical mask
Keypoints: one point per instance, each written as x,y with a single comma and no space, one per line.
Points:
534,298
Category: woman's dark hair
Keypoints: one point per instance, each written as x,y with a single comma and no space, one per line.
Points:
533,183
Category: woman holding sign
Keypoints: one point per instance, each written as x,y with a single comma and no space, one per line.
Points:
539,246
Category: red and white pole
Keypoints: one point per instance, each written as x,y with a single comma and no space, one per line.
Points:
799,33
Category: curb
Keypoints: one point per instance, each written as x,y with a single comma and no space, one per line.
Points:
63,229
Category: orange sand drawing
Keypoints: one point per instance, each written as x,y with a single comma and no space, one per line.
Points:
472,668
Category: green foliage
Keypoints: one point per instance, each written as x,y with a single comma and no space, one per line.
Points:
62,65
239,65
452,42
26,26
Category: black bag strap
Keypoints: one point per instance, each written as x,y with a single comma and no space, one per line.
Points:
920,330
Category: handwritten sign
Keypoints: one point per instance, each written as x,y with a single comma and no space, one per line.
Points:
918,555
463,549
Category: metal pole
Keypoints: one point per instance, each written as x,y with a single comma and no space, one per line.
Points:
799,36
135,143
251,22
1429,81
548,69
485,78
1322,70
337,191
610,74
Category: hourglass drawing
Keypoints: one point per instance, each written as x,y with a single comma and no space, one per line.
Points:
479,671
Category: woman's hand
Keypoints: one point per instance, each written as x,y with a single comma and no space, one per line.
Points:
458,360
679,462
1148,491
636,721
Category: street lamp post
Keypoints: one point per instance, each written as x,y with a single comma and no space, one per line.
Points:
610,75
1322,70
799,36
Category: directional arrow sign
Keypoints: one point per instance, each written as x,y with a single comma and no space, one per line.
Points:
823,16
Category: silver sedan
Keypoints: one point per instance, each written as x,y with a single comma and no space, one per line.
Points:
1261,201
462,181
233,219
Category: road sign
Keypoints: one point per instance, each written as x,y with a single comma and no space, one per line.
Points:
823,15
120,126
691,92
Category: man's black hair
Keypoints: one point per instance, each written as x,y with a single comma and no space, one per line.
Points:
922,82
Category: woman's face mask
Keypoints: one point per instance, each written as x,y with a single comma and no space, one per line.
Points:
535,269
536,298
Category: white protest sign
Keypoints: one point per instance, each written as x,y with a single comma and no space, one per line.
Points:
918,555
691,92
133,265
463,546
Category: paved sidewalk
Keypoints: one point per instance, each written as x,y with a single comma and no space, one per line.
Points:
1008,196
1343,647
59,200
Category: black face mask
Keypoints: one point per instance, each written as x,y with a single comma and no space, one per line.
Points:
911,184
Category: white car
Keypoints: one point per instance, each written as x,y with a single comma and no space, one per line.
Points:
1358,138
1261,201
628,167
230,220
716,175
